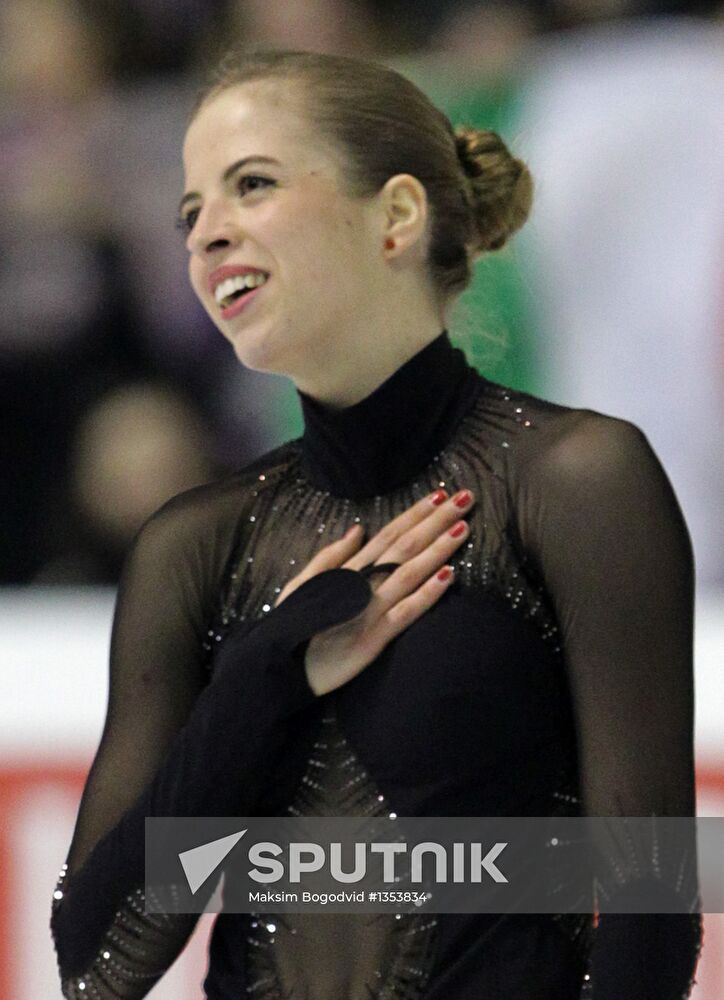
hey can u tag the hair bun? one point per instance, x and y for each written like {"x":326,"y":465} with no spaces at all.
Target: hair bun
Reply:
{"x":500,"y":187}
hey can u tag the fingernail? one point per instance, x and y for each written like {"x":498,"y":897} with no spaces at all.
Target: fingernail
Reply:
{"x":445,"y":573}
{"x":350,"y":531}
{"x":463,"y":499}
{"x":438,"y":497}
{"x":457,"y":530}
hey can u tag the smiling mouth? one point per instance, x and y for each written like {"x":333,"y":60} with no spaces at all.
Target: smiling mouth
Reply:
{"x":232,"y":289}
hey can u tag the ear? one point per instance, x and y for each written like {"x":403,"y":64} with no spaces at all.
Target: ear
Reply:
{"x":405,"y":212}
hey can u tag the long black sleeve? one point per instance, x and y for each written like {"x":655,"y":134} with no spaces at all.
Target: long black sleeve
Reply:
{"x":217,"y":762}
{"x":600,"y":518}
{"x":576,"y":527}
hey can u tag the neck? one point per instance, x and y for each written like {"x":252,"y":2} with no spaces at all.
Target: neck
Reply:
{"x":378,"y":442}
{"x":340,"y":371}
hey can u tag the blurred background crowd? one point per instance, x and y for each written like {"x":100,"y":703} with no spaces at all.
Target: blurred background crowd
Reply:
{"x":116,"y":391}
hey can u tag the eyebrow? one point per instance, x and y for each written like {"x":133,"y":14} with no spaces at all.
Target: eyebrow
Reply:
{"x":228,"y":173}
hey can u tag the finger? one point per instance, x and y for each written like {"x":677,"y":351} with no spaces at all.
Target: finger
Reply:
{"x":419,"y":535}
{"x":415,"y":571}
{"x":387,"y":535}
{"x":403,"y":613}
{"x":417,"y":538}
{"x":329,"y":557}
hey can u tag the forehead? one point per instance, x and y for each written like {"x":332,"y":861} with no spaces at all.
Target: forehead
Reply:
{"x":257,"y":118}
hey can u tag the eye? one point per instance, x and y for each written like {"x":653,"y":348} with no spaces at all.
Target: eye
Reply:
{"x":247,"y":182}
{"x":244,"y":183}
{"x":186,"y":222}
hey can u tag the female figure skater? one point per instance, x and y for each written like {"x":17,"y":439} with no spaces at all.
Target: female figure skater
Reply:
{"x":523,"y":649}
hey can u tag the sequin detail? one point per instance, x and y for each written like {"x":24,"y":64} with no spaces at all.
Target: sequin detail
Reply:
{"x":283,"y":520}
{"x":491,"y":558}
{"x":391,"y":954}
{"x":135,"y":952}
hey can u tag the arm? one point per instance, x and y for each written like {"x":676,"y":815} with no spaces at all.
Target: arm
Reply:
{"x":155,"y":663}
{"x":602,"y":522}
{"x":172,"y":746}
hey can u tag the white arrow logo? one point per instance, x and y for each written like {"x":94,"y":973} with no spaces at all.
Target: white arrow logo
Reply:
{"x":200,"y":862}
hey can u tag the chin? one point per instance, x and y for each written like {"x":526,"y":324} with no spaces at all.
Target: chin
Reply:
{"x":257,"y":349}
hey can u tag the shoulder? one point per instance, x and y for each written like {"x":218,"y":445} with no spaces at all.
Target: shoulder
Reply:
{"x":581,"y":474}
{"x":584,"y":446}
{"x":555,"y":453}
{"x":589,"y":485}
{"x":552,"y":441}
{"x":206,"y":517}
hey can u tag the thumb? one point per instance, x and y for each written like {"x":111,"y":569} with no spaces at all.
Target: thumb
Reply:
{"x":332,"y":556}
{"x":336,"y":553}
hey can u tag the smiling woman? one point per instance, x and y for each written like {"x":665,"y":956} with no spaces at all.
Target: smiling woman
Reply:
{"x":328,"y":188}
{"x":510,"y":635}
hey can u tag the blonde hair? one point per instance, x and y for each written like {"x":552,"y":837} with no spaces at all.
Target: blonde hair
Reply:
{"x":381,"y":124}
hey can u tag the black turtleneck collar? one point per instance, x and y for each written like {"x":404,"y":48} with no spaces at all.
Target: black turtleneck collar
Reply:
{"x":385,"y":439}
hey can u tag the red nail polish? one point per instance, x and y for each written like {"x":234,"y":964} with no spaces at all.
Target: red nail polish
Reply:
{"x":457,"y":530}
{"x":463,"y":499}
{"x":445,"y":573}
{"x":438,"y":497}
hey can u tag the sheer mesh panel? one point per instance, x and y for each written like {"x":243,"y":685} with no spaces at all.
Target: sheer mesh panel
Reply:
{"x":575,"y":528}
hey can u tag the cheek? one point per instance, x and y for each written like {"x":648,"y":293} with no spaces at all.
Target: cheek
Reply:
{"x":194,"y":269}
{"x":327,"y":252}
{"x":325,"y":225}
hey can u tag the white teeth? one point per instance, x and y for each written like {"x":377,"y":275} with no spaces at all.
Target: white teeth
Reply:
{"x":239,"y":281}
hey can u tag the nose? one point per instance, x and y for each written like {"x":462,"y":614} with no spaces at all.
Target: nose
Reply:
{"x":213,"y":229}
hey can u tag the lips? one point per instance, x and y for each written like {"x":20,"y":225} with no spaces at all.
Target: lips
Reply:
{"x":233,"y":286}
{"x":237,"y":305}
{"x":230,"y":271}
